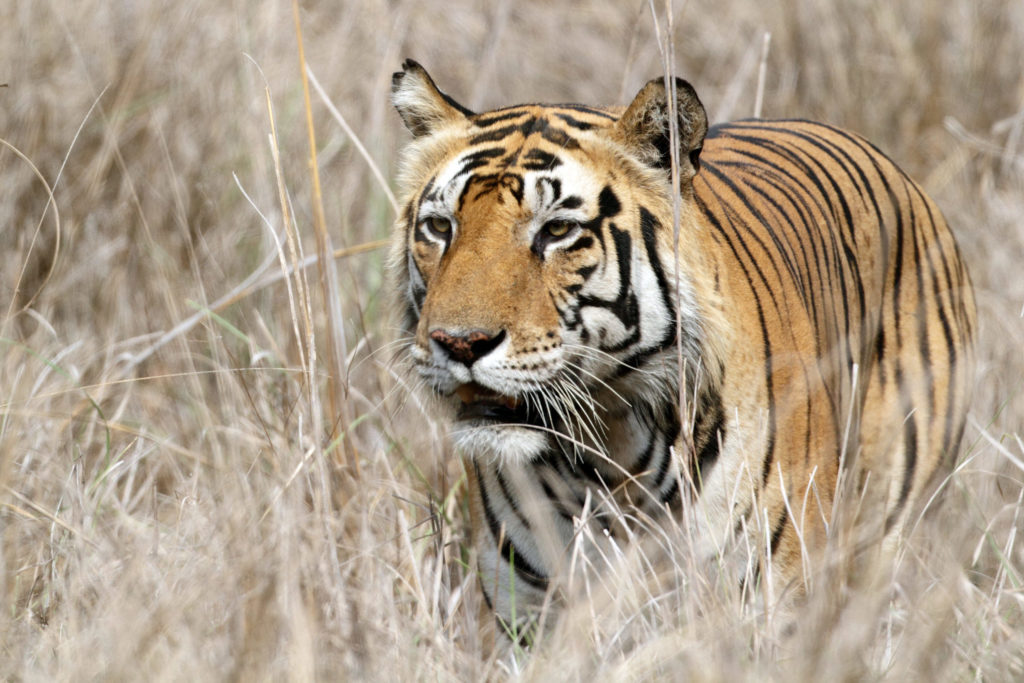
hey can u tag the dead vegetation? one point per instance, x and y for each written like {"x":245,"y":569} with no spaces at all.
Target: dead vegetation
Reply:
{"x":178,"y":497}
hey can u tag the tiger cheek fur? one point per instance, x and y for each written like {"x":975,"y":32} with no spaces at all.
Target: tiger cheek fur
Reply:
{"x":819,"y":306}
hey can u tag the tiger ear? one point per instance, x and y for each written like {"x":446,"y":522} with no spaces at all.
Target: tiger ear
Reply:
{"x":422,"y":106}
{"x":644,"y":126}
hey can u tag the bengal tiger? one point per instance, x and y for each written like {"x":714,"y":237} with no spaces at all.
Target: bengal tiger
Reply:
{"x":621,"y":314}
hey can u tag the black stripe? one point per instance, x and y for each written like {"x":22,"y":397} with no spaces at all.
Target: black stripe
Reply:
{"x":625,"y":306}
{"x":511,"y":499}
{"x":671,"y":496}
{"x":539,"y":160}
{"x":593,"y":111}
{"x":708,"y":433}
{"x":664,"y":464}
{"x":490,"y":119}
{"x":479,"y":158}
{"x":575,"y":122}
{"x":494,"y":135}
{"x":734,"y":241}
{"x":608,"y":205}
{"x":780,"y":526}
{"x":644,"y":461}
{"x":523,"y":568}
{"x":559,"y":137}
{"x":584,"y":242}
{"x":940,"y":286}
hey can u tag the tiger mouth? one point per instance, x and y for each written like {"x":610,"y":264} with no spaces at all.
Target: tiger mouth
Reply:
{"x":480,"y":403}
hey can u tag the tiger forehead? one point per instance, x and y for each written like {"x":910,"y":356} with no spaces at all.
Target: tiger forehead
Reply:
{"x":530,"y":137}
{"x":502,"y":150}
{"x":541,"y":119}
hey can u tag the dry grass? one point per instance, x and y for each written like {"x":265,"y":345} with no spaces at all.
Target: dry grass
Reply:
{"x":181,"y":502}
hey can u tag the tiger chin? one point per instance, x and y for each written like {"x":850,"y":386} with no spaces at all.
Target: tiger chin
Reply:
{"x":625,"y":314}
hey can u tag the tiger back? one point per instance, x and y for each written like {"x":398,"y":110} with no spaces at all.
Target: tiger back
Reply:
{"x":618,"y":314}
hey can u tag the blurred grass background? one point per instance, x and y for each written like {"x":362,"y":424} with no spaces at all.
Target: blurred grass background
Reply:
{"x":178,"y":502}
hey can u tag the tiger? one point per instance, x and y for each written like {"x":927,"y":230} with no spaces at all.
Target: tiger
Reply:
{"x":622,"y":311}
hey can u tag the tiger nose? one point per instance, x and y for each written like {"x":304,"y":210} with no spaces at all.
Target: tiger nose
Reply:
{"x":467,"y":348}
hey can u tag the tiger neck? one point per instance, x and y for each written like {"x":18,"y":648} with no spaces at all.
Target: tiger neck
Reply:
{"x":648,"y":451}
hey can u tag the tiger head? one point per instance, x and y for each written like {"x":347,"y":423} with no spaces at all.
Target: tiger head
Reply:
{"x":534,"y":255}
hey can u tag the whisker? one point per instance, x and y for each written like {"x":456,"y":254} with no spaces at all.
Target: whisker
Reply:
{"x":604,"y":356}
{"x":583,"y":405}
{"x":575,"y":366}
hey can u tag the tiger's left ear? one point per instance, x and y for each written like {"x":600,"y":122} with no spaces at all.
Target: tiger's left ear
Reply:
{"x":421,"y":104}
{"x":644,"y":127}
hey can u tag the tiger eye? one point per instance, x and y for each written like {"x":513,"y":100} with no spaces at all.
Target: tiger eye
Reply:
{"x":439,"y":225}
{"x":558,"y":228}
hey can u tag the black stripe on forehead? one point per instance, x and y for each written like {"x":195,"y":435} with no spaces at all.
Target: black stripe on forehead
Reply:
{"x":503,"y":162}
{"x":513,"y":182}
{"x":531,"y":126}
{"x":588,"y":110}
{"x":492,"y":118}
{"x":575,"y":122}
{"x":539,"y":160}
{"x":479,"y":158}
{"x":494,"y":135}
{"x":559,"y":137}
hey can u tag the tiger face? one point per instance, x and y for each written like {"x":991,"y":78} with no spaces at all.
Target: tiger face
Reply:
{"x":530,"y":281}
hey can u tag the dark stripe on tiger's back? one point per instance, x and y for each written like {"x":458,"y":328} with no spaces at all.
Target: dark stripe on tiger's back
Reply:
{"x":910,"y":427}
{"x":803,"y":161}
{"x":748,"y":230}
{"x":731,"y":240}
{"x":789,"y":187}
{"x":831,"y":151}
{"x":754,"y":184}
{"x":842,"y":266}
{"x":905,"y":401}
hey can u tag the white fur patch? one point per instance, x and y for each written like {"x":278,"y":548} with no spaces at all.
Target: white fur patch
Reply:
{"x":506,"y":444}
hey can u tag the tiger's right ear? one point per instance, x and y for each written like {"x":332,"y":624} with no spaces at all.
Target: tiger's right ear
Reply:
{"x":422,"y":106}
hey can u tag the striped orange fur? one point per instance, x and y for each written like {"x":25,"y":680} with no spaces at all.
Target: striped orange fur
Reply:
{"x":802,"y":295}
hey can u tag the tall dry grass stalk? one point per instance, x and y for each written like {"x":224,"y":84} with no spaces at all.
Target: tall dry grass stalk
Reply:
{"x":173,"y":499}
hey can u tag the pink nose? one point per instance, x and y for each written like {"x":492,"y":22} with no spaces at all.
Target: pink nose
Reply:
{"x":467,"y":348}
